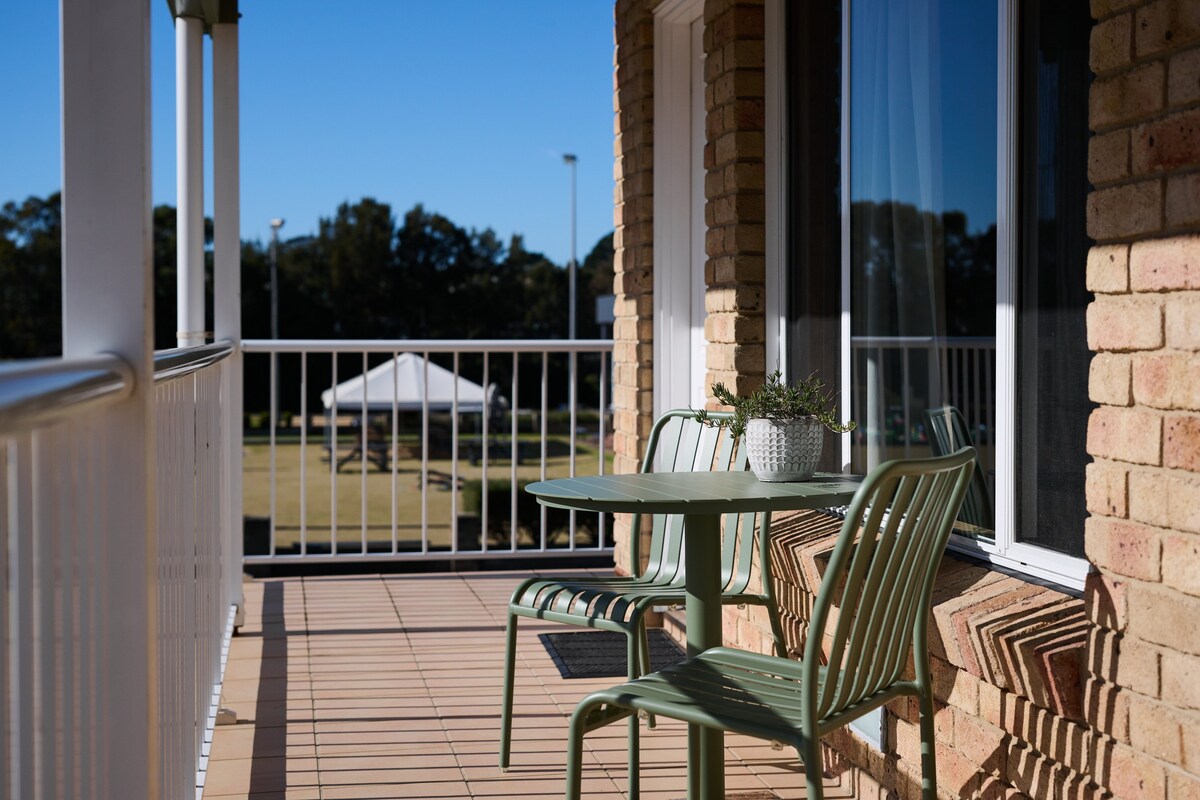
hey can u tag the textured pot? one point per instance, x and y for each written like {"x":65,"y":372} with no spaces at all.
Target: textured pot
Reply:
{"x":784,"y":449}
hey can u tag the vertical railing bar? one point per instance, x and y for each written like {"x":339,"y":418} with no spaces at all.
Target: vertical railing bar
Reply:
{"x":601,"y":524}
{"x":271,"y":422}
{"x":976,"y":399}
{"x":514,"y":453}
{"x":304,"y":453}
{"x":453,"y":461}
{"x":990,"y":399}
{"x":165,"y":513}
{"x":935,"y":368}
{"x":6,"y":687}
{"x":484,"y":456}
{"x":46,"y":621}
{"x":856,"y":395}
{"x":164,"y":510}
{"x":6,"y":684}
{"x":75,"y":694}
{"x":193,"y":588}
{"x":187,"y":582}
{"x":20,"y":611}
{"x":545,"y":439}
{"x":882,"y":409}
{"x":905,"y":381}
{"x":72,"y":499}
{"x":395,"y":451}
{"x":89,"y":555}
{"x":425,"y":451}
{"x":173,"y":697}
{"x":333,"y":459}
{"x":952,"y":372}
{"x":943,"y":356}
{"x":365,"y":448}
{"x":572,"y":391}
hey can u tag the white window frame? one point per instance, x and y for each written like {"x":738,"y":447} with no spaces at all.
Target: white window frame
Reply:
{"x":775,"y":186}
{"x":679,"y":288}
{"x":1006,"y":551}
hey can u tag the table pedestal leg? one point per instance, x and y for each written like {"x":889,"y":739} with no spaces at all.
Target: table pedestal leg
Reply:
{"x":702,"y":559}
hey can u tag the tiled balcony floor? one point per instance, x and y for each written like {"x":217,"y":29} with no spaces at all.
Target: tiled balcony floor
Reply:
{"x":389,"y":687}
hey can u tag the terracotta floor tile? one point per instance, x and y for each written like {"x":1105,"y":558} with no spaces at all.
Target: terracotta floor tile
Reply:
{"x":410,"y":791}
{"x":389,"y":686}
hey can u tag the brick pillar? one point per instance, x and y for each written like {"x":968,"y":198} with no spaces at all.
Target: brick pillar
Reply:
{"x":1143,"y":489}
{"x":633,"y":281}
{"x":735,"y":211}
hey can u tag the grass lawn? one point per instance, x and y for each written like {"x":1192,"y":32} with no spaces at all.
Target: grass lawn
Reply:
{"x":367,"y":503}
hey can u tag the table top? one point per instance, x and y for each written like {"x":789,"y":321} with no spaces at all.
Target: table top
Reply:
{"x":693,"y":492}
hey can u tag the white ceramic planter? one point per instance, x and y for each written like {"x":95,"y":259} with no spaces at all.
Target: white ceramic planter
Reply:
{"x":784,"y":450}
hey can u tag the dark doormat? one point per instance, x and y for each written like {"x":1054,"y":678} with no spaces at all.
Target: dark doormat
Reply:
{"x":601,"y":654}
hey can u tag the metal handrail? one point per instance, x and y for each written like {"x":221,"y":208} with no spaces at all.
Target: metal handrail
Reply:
{"x":38,"y":392}
{"x":179,"y":362}
{"x":425,"y":345}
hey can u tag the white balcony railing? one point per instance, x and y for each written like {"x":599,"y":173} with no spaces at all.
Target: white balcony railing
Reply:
{"x":197,"y":564}
{"x":403,"y":473}
{"x":897,"y":378}
{"x":72,"y":630}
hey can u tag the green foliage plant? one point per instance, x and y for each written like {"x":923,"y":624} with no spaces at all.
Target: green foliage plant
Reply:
{"x":776,"y":399}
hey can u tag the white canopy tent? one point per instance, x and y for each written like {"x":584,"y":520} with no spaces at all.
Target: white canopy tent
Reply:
{"x":403,"y":380}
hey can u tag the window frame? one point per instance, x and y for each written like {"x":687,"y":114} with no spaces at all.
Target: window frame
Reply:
{"x":1006,"y":551}
{"x":678,"y":277}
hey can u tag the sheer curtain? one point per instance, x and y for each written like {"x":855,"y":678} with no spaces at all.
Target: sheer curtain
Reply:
{"x":897,"y":240}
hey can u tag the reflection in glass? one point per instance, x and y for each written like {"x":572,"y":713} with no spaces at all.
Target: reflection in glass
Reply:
{"x":923,"y":232}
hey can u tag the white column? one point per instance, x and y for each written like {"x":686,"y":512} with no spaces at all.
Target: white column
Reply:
{"x":227,"y":293}
{"x":108,"y":307}
{"x":189,"y":176}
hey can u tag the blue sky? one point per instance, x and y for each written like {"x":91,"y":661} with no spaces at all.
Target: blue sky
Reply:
{"x":892,"y":98}
{"x":464,"y":105}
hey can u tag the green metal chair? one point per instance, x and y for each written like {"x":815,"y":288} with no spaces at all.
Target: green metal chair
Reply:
{"x":948,"y":431}
{"x":677,"y":444}
{"x":880,"y":578}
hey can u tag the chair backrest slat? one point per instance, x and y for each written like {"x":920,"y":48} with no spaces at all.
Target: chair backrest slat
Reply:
{"x":678,"y":443}
{"x":873,"y":617}
{"x":948,"y":431}
{"x":881,"y":576}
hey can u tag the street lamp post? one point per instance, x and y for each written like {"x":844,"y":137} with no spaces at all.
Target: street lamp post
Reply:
{"x":569,"y":159}
{"x":276,"y":224}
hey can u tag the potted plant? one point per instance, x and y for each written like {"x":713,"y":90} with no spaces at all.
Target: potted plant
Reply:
{"x":784,"y":425}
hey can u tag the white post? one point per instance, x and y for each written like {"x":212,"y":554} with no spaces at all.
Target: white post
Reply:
{"x":108,"y":307}
{"x":189,"y":176}
{"x":227,"y":294}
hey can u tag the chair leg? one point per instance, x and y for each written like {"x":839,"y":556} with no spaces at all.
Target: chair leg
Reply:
{"x":506,"y":704}
{"x":575,"y":733}
{"x":776,"y":629}
{"x":928,"y":759}
{"x":634,"y":653}
{"x":643,"y":659}
{"x":812,"y":769}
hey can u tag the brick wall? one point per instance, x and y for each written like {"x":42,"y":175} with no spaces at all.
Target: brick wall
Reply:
{"x":1143,"y":491}
{"x":1038,"y":694}
{"x":735,"y":208}
{"x":633,"y":281}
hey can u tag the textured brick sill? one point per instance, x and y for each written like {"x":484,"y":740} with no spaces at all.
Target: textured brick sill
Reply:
{"x":1024,"y":638}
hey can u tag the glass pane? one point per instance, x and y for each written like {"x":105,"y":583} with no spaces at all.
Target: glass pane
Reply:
{"x":814,"y":163}
{"x":923,"y":233}
{"x":1052,"y":352}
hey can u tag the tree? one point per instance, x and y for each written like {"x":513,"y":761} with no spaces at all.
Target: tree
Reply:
{"x":31,"y":278}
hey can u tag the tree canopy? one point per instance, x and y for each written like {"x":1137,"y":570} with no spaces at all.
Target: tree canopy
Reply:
{"x":364,"y":275}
